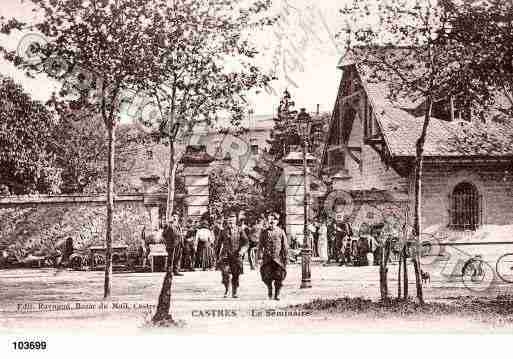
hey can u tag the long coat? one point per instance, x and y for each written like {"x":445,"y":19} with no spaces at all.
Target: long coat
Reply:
{"x":273,"y":246}
{"x":233,"y":242}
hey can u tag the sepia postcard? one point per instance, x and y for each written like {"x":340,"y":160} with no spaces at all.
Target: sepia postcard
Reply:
{"x":255,"y":167}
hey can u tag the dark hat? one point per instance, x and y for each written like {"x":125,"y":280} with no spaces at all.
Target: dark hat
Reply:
{"x":230,"y":212}
{"x":273,"y":214}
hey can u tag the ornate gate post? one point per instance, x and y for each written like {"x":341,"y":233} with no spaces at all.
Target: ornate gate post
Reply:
{"x":152,"y":200}
{"x":294,"y":194}
{"x":196,"y":163}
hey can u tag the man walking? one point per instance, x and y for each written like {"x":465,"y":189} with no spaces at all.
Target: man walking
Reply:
{"x":274,"y":248}
{"x":233,"y":244}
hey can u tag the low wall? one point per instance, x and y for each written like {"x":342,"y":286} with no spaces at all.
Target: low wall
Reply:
{"x":37,"y":223}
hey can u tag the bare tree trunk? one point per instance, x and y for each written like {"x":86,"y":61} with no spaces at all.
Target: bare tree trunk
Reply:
{"x":418,"y":200}
{"x":405,"y":272}
{"x":110,"y":209}
{"x":383,"y":270}
{"x":399,"y":275}
{"x":164,"y":304}
{"x":171,"y":182}
{"x":383,"y":285}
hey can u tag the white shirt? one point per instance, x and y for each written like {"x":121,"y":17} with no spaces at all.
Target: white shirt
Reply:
{"x":204,"y":234}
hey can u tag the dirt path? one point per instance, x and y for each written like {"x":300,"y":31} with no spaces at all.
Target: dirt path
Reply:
{"x":47,"y":300}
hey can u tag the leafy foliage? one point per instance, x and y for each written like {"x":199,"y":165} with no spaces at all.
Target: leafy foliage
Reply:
{"x":80,"y":149}
{"x":399,"y":44}
{"x":284,"y":133}
{"x":27,"y":160}
{"x":232,"y":190}
{"x":482,"y":33}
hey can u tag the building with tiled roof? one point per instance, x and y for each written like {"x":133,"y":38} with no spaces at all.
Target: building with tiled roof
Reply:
{"x":467,"y":180}
{"x":236,"y":149}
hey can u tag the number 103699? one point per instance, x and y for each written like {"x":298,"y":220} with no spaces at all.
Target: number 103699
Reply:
{"x":29,"y":345}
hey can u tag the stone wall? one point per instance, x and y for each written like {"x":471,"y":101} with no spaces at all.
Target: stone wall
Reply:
{"x":494,"y":183}
{"x":36,"y":225}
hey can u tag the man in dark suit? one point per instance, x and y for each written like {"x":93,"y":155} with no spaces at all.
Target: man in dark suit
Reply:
{"x":274,"y":248}
{"x":218,"y":227}
{"x":233,"y":244}
{"x":173,"y":238}
{"x":254,"y":237}
{"x":343,"y":235}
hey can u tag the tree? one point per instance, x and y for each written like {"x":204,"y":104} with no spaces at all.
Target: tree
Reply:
{"x":103,"y":48}
{"x":284,"y":136}
{"x":269,"y":166}
{"x":204,"y":68}
{"x":79,"y":146}
{"x":284,"y":133}
{"x":232,"y":190}
{"x":207,"y":68}
{"x":80,"y":150}
{"x":482,"y":33}
{"x":399,"y":44}
{"x":27,"y":162}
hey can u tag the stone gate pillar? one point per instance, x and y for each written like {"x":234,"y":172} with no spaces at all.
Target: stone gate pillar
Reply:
{"x":196,"y":163}
{"x":152,"y":199}
{"x":294,"y":193}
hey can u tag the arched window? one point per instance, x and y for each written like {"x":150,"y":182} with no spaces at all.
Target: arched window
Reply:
{"x":465,"y":207}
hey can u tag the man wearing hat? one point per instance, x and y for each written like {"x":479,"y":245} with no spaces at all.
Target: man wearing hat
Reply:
{"x":173,"y":238}
{"x":189,"y":249}
{"x":274,"y":248}
{"x":233,"y":244}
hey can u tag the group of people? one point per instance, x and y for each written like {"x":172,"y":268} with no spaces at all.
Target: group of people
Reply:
{"x":346,"y":248}
{"x":224,"y":247}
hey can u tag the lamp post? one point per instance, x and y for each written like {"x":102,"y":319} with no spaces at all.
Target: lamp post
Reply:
{"x":303,"y":121}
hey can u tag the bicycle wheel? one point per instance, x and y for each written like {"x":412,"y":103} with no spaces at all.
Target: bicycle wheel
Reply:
{"x":478,"y":275}
{"x":504,"y":267}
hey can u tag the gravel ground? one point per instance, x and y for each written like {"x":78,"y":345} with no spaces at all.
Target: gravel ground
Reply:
{"x":45,"y":299}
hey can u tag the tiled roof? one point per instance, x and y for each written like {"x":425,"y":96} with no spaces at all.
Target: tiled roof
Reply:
{"x":444,"y":139}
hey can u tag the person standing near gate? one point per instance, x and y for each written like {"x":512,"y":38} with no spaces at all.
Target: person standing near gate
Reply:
{"x":274,"y":248}
{"x":233,"y":244}
{"x":323,"y":241}
{"x":254,"y":237}
{"x":343,"y":234}
{"x":217,"y":229}
{"x":189,"y":248}
{"x":173,"y":239}
{"x":205,"y":240}
{"x":177,"y":260}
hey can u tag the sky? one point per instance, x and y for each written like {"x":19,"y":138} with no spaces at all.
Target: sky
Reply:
{"x":305,"y":63}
